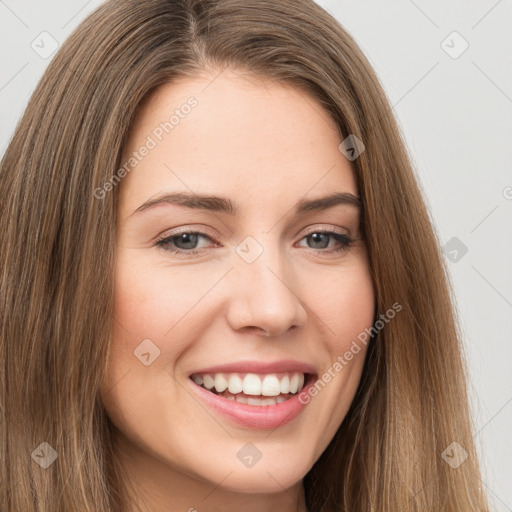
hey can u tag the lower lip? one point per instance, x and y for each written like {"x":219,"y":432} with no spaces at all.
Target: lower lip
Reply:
{"x":257,"y":416}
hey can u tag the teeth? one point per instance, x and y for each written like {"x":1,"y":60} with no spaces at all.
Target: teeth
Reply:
{"x":220,"y":382}
{"x":285,"y":384}
{"x":252,"y":384}
{"x":243,"y":399}
{"x":261,"y":401}
{"x":301,"y":382}
{"x":208,"y":382}
{"x":296,"y":382}
{"x":235,"y":384}
{"x":269,"y":385}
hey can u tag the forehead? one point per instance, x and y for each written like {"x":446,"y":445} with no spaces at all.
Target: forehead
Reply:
{"x":245,"y":137}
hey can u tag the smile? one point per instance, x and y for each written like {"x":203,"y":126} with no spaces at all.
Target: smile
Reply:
{"x":255,"y":395}
{"x":252,"y":388}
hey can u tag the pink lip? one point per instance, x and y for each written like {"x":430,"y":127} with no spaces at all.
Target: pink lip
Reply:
{"x":256,"y":416}
{"x":285,"y":365}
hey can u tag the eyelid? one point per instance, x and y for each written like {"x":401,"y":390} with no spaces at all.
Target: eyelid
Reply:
{"x":336,"y":229}
{"x":189,"y":228}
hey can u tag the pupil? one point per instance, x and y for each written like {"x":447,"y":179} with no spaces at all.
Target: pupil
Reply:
{"x":316,"y":236}
{"x":183,"y":238}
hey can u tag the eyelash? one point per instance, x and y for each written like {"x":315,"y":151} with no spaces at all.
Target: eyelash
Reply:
{"x":343,"y":239}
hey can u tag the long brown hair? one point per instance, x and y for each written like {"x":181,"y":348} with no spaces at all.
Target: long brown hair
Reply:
{"x":58,"y":256}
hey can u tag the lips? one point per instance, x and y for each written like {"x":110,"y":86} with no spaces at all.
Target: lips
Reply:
{"x":255,"y":394}
{"x":285,"y":365}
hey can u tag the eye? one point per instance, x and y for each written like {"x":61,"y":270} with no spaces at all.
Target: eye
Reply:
{"x":185,"y":243}
{"x":321,"y":238}
{"x":187,"y":239}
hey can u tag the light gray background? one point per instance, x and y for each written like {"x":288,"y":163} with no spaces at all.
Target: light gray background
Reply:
{"x":456,"y":114}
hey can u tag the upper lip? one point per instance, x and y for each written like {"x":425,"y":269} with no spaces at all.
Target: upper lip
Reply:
{"x":283,"y":365}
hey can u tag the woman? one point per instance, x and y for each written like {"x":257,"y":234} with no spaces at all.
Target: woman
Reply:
{"x":143,"y":374}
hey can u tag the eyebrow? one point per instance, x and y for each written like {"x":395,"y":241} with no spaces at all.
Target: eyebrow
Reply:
{"x":226,"y":205}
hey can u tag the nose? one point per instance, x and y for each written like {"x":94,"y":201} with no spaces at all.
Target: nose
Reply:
{"x":263,"y":298}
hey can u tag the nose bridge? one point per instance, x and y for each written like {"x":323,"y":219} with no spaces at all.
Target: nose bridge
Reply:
{"x":264,"y":294}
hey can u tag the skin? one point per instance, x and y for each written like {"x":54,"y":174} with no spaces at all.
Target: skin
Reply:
{"x":266,"y":146}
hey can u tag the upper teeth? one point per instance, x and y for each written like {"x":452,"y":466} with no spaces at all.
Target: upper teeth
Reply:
{"x":251,"y":383}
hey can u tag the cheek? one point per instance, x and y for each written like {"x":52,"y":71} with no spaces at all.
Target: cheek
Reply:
{"x":151,"y":301}
{"x":346,"y":306}
{"x":145,"y":312}
{"x":357,"y":307}
{"x":148,"y":306}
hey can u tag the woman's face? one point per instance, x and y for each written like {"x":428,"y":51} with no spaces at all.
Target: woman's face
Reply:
{"x":259,"y":296}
